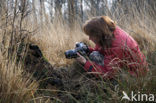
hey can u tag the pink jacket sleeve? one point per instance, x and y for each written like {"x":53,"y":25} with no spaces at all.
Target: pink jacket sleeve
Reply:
{"x":105,"y":71}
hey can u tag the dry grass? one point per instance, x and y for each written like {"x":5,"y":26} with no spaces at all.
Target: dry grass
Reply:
{"x":15,"y":85}
{"x":55,"y":39}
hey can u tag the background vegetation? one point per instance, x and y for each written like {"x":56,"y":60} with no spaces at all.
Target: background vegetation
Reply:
{"x":55,"y":26}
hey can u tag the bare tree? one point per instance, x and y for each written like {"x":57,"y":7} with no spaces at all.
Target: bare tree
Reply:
{"x":50,"y":7}
{"x":58,"y":8}
{"x":2,"y":4}
{"x":71,"y":12}
{"x":34,"y":11}
{"x":41,"y":11}
{"x":81,"y":10}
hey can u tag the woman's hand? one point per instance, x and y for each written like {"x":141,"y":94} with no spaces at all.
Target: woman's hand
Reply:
{"x":81,"y":59}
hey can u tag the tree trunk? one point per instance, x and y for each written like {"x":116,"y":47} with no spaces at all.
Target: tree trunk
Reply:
{"x":41,"y":12}
{"x":34,"y":11}
{"x":58,"y":8}
{"x":81,"y":10}
{"x":71,"y":13}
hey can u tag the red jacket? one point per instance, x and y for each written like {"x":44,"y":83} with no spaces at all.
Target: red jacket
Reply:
{"x":123,"y":52}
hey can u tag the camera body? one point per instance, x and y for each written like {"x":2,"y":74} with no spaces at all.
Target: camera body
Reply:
{"x":81,"y":48}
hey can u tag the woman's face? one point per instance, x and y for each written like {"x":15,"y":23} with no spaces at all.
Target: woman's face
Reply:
{"x":94,"y":39}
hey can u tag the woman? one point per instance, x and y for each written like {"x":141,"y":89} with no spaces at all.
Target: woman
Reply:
{"x":118,"y":48}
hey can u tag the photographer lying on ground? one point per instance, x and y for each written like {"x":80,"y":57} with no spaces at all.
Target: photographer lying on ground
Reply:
{"x":116,"y":48}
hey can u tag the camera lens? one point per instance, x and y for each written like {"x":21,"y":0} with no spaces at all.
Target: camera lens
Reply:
{"x":77,"y":45}
{"x":71,"y":54}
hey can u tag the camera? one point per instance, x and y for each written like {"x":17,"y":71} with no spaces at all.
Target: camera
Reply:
{"x":81,"y":48}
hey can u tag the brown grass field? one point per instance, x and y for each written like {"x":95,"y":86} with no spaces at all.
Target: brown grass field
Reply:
{"x":54,"y":39}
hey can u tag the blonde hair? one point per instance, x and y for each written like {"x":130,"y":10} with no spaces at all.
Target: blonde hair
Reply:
{"x":101,"y":27}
